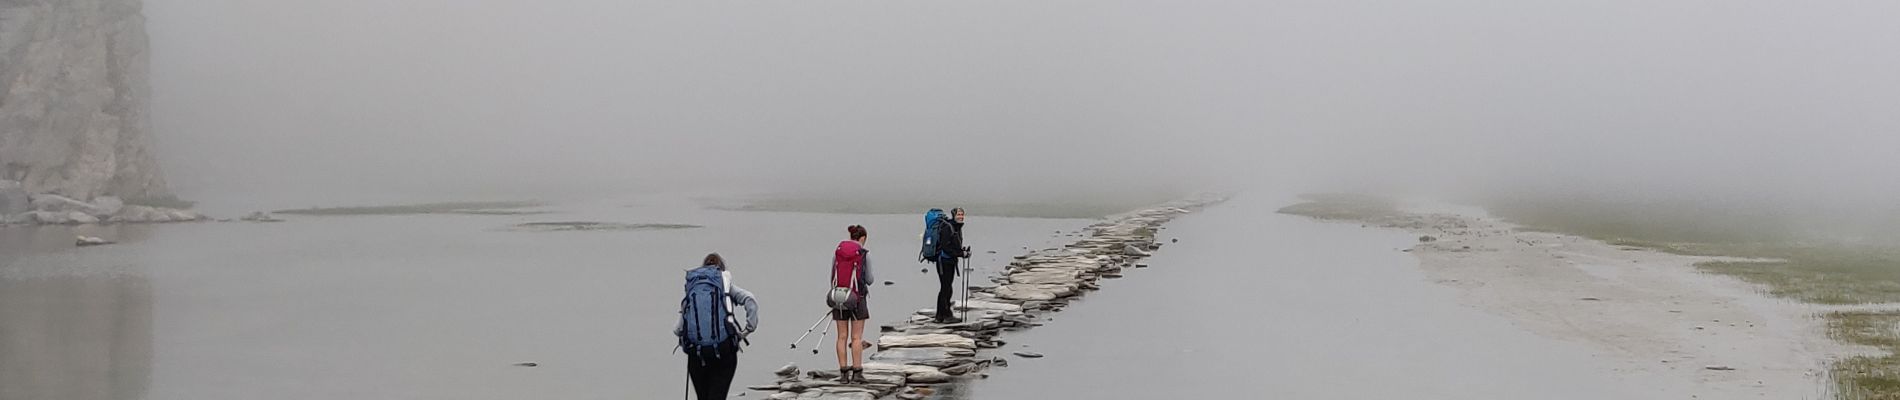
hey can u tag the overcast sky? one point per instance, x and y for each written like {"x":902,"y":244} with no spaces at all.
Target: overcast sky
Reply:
{"x":1034,"y":97}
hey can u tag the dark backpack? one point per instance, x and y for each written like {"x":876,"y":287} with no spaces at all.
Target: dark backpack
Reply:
{"x":932,"y":219}
{"x":703,"y":313}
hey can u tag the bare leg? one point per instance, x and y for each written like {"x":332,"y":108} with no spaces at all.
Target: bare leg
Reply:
{"x":857,"y":344}
{"x":843,"y":339}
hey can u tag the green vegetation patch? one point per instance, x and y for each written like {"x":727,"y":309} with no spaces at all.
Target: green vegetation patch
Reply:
{"x":1875,"y":377}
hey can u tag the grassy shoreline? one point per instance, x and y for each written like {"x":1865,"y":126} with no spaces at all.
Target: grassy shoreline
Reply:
{"x":1811,"y":271}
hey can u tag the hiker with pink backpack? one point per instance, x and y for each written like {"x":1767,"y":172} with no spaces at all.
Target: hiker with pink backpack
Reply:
{"x":851,"y":282}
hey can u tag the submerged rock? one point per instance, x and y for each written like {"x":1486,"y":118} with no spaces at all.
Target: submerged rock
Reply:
{"x":1028,"y":354}
{"x":260,"y":216}
{"x":85,"y":241}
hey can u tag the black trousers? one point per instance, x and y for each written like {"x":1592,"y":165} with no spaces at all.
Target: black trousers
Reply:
{"x":712,"y":377}
{"x":946,"y":286}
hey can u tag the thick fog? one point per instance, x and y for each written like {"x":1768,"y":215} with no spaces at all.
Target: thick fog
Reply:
{"x":1780,"y":100}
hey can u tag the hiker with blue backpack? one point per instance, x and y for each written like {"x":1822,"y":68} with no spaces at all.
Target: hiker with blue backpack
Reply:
{"x":943,"y":245}
{"x":851,"y":283}
{"x":708,"y":331}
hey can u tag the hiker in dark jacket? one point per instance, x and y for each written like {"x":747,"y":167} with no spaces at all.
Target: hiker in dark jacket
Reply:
{"x":950,"y":250}
{"x":851,"y":267}
{"x":712,"y":376}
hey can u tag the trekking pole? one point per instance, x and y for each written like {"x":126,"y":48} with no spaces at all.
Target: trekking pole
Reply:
{"x":821,"y":337}
{"x":814,"y":326}
{"x":963,"y":309}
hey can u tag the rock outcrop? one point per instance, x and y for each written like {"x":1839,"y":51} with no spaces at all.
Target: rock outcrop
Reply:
{"x":74,"y":112}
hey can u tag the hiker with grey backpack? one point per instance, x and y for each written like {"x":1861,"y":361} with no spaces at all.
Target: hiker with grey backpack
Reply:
{"x":709,"y":333}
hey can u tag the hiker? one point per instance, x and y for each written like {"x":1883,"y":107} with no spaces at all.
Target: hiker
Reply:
{"x":851,"y":271}
{"x":708,"y":331}
{"x":950,"y":248}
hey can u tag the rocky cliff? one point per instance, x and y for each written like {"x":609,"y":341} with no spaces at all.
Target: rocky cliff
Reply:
{"x":73,"y":99}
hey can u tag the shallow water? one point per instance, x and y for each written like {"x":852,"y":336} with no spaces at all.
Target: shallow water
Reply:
{"x":425,"y":306}
{"x":1250,"y":304}
{"x":1254,"y":304}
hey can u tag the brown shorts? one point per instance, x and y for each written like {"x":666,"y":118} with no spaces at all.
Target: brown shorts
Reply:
{"x":859,"y":313}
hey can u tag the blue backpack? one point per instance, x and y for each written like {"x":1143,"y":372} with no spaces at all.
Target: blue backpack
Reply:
{"x":703,"y":313}
{"x":932,"y":219}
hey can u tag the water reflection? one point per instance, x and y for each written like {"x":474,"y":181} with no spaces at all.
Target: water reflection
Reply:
{"x":72,"y":331}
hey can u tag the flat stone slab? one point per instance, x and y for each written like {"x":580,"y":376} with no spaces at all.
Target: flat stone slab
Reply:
{"x":1025,"y":291}
{"x":978,"y":304}
{"x":922,"y":354}
{"x":1045,"y":277}
{"x":926,"y":340}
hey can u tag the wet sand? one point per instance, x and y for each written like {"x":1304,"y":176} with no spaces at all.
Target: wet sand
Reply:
{"x":1253,"y":304}
{"x":1651,"y":314}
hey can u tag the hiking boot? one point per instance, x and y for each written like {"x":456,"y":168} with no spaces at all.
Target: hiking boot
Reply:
{"x":857,"y":375}
{"x":844,"y":375}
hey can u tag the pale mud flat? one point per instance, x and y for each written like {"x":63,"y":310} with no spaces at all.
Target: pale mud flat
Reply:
{"x":1651,"y":316}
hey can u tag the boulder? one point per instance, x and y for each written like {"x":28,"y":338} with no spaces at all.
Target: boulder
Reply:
{"x":929,"y":340}
{"x":62,"y":204}
{"x":134,"y":214}
{"x":790,"y":369}
{"x":14,"y":199}
{"x":106,"y":206}
{"x":183,"y":215}
{"x":84,"y":241}
{"x":47,"y":217}
{"x":157,"y":215}
{"x":76,"y":217}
